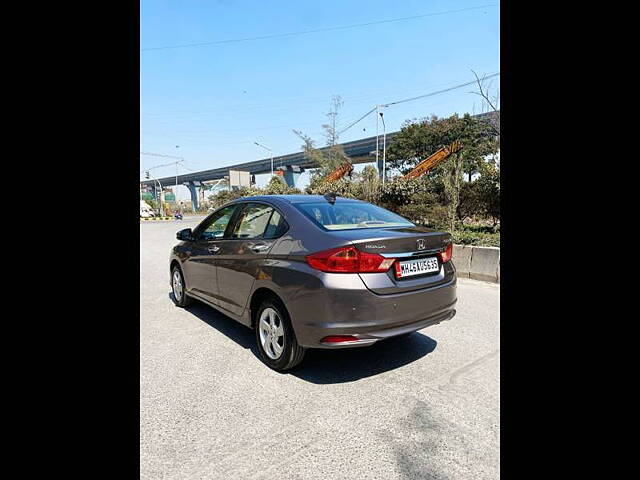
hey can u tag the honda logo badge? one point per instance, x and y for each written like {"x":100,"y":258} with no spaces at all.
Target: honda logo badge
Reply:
{"x":421,"y":244}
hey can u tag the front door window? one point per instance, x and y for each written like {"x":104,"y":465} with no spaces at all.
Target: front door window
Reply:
{"x":217,"y":224}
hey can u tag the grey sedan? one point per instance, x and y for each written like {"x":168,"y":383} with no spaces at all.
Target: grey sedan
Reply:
{"x":308,"y":271}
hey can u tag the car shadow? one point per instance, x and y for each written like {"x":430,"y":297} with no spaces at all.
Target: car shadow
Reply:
{"x":322,"y":366}
{"x":237,"y":332}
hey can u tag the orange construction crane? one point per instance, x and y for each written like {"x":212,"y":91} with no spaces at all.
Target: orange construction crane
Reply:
{"x":341,"y":171}
{"x":434,"y":160}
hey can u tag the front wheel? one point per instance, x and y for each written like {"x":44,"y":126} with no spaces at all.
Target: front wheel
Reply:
{"x":180,"y":297}
{"x":276,"y":339}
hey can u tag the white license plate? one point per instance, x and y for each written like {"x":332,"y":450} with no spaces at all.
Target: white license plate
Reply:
{"x":418,"y":267}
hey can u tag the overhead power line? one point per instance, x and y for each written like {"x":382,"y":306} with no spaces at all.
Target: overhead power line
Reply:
{"x":160,"y":155}
{"x":180,"y":160}
{"x":361,"y":118}
{"x":416,"y":98}
{"x":440,"y":91}
{"x":317,"y":30}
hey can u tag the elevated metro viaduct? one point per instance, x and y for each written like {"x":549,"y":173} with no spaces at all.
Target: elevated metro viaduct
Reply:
{"x":293,"y":164}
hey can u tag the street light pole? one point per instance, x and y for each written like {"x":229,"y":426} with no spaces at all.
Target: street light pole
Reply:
{"x":384,"y":150}
{"x":160,"y":210}
{"x":377,"y":142}
{"x":175,"y":194}
{"x":267,"y":148}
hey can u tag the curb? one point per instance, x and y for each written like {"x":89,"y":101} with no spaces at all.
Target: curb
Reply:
{"x":155,"y":219}
{"x":479,"y":263}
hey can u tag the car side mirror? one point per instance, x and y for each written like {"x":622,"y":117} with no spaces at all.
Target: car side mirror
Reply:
{"x":185,"y":235}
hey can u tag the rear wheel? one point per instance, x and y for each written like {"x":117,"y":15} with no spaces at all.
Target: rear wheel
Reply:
{"x":180,"y":297}
{"x":276,"y":339}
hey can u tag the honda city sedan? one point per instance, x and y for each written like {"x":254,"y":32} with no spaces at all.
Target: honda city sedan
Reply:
{"x":307,"y":271}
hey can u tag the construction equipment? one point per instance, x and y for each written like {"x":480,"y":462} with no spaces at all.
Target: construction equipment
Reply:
{"x":434,"y":160}
{"x":344,"y":169}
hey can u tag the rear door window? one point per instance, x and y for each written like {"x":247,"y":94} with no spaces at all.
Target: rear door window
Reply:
{"x":276,"y":226}
{"x":252,"y":221}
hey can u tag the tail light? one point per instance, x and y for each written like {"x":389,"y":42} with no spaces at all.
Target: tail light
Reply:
{"x":339,"y":339}
{"x":349,"y":260}
{"x":446,"y":254}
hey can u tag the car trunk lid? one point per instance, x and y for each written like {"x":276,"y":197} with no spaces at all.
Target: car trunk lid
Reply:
{"x":402,"y":243}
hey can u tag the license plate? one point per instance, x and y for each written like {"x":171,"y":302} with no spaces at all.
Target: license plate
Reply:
{"x":418,"y":267}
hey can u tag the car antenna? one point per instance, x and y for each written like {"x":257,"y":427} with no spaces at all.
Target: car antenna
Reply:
{"x":330,"y":197}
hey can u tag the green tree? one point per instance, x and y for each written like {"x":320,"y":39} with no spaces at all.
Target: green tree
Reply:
{"x":369,"y":185}
{"x":420,"y":138}
{"x":452,"y":179}
{"x":489,"y":191}
{"x":481,"y":198}
{"x":223,"y":196}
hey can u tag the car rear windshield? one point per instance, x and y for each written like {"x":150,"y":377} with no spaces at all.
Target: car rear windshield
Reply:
{"x":348,"y":216}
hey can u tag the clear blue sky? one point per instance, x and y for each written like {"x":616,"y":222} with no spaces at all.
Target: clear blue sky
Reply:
{"x":214,"y":101}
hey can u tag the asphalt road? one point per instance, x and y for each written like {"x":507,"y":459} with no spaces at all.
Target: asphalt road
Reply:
{"x":426,"y":406}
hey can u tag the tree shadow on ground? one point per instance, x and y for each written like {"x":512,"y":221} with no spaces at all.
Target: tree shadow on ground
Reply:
{"x":322,"y":366}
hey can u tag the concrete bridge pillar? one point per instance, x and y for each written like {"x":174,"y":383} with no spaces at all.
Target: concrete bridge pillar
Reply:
{"x":292,"y":174}
{"x":194,"y":196}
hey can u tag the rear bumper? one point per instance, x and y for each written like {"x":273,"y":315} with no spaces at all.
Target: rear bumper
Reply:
{"x":370,"y":338}
{"x":370,"y":317}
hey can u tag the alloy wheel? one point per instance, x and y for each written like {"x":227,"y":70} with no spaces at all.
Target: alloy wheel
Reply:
{"x":271,"y":333}
{"x":177,"y":285}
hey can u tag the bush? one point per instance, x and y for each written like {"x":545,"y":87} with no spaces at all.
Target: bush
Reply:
{"x":399,"y":191}
{"x":424,"y":214}
{"x":343,"y":188}
{"x":277,"y":186}
{"x":479,"y":239}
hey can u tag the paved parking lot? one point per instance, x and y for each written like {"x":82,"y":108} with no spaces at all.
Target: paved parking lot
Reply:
{"x":426,"y":406}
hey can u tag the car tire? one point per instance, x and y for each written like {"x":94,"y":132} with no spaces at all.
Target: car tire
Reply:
{"x":180,"y":297}
{"x":289,"y":354}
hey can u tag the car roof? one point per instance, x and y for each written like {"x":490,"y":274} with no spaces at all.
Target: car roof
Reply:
{"x":298,"y":198}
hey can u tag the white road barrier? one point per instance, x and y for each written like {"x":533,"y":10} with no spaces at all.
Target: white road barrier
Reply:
{"x":481,"y":263}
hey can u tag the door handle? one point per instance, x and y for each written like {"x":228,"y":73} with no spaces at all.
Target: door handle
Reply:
{"x":213,"y":249}
{"x":261,"y":247}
